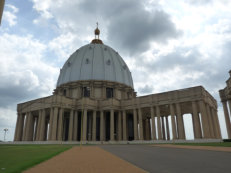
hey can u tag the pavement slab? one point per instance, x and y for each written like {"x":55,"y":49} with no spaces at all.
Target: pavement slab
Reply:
{"x":172,"y":160}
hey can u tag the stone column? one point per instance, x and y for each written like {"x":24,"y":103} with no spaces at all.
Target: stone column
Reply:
{"x":38,"y":125}
{"x":20,"y":127}
{"x":28,"y":130}
{"x":46,"y":129}
{"x":153,"y":124}
{"x":119,"y":126}
{"x":25,"y":127}
{"x":71,"y":123}
{"x":75,"y":133}
{"x":163,"y":128}
{"x":141,"y":124}
{"x":94,"y":126}
{"x":54,"y":124}
{"x":229,"y":101}
{"x":227,"y":119}
{"x":204,"y":118}
{"x":144,"y":130}
{"x":31,"y":128}
{"x":112,"y":125}
{"x":124,"y":125}
{"x":167,"y":128}
{"x":36,"y":128}
{"x":135,"y":125}
{"x":60,"y":125}
{"x":180,"y":123}
{"x":51,"y":123}
{"x":210,"y":121}
{"x":84,"y":125}
{"x":196,"y":121}
{"x":218,"y":124}
{"x":89,"y":125}
{"x":101,"y":126}
{"x":43,"y":122}
{"x":147,"y":129}
{"x":213,"y":117}
{"x":173,"y":122}
{"x":16,"y":128}
{"x":160,"y":137}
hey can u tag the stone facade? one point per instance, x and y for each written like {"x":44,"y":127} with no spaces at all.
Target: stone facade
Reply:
{"x":124,"y":116}
{"x":225,"y":95}
{"x":109,"y":110}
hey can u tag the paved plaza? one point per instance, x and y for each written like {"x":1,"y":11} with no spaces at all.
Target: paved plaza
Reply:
{"x":174,"y":160}
{"x":139,"y":158}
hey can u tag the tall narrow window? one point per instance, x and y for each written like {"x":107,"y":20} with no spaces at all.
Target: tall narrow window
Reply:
{"x":64,"y":92}
{"x":86,"y":91}
{"x":109,"y":92}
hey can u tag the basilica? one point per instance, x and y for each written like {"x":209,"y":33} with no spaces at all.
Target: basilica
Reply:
{"x":94,"y":100}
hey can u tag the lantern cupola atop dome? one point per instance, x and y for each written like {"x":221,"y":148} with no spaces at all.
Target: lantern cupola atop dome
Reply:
{"x":97,"y":32}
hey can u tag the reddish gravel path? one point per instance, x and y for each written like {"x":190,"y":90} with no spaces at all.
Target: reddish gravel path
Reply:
{"x":86,"y":159}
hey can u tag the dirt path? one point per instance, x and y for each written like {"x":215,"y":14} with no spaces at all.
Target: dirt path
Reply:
{"x":226,"y":149}
{"x":86,"y":159}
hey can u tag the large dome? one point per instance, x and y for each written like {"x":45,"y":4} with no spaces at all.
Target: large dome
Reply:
{"x":95,"y":62}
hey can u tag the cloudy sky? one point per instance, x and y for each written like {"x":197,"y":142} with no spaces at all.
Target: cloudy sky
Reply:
{"x":167,"y":45}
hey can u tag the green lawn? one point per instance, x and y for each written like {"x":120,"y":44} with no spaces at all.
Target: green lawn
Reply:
{"x":15,"y":158}
{"x":217,"y":144}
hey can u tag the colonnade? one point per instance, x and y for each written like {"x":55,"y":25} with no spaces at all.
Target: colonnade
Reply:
{"x":227,"y":116}
{"x":59,"y":124}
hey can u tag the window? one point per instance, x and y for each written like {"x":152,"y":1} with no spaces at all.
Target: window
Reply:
{"x":64,"y":92}
{"x":109,"y":92}
{"x":86,"y":91}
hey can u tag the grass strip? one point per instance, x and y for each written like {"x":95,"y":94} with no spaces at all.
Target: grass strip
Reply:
{"x":16,"y":158}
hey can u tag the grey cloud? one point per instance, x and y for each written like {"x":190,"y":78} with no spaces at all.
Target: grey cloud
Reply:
{"x":199,"y":2}
{"x":130,"y":27}
{"x":14,"y":94}
{"x":134,"y":31}
{"x":172,"y":60}
{"x":214,"y":69}
{"x":147,"y":89}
